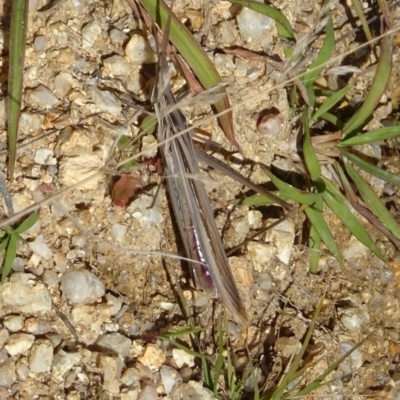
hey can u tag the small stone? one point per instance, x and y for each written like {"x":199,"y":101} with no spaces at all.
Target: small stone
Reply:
{"x":39,"y":44}
{"x":4,"y":335}
{"x":253,"y":25}
{"x":260,"y":255}
{"x":355,"y":249}
{"x":287,"y":346}
{"x":37,"y":326}
{"x":7,"y":373}
{"x":22,"y":370}
{"x":44,"y":157}
{"x":130,"y":394}
{"x":41,"y":358}
{"x":149,"y":392}
{"x":63,"y":84}
{"x":116,"y":343}
{"x":63,"y":363}
{"x":114,"y":302}
{"x":19,"y":343}
{"x":118,"y":232}
{"x":40,"y":247}
{"x":192,"y":390}
{"x":153,"y":357}
{"x":111,"y":368}
{"x":104,"y":100}
{"x":76,"y":169}
{"x":354,"y":361}
{"x":241,"y":271}
{"x":170,"y":377}
{"x":117,"y":66}
{"x":90,"y":33}
{"x":81,"y":286}
{"x":29,"y":123}
{"x":13,"y":323}
{"x":149,"y":146}
{"x":139,"y":51}
{"x":130,"y":377}
{"x":33,"y":297}
{"x":282,"y":237}
{"x":182,"y":358}
{"x":118,"y":37}
{"x":89,"y":320}
{"x":41,"y":97}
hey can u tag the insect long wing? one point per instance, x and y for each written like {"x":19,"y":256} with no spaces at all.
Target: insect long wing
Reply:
{"x":194,"y":215}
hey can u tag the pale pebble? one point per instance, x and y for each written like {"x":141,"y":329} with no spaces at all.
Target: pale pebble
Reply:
{"x":170,"y":377}
{"x":41,"y":97}
{"x":19,"y":343}
{"x":182,"y":358}
{"x":139,"y":51}
{"x":40,"y":248}
{"x":153,"y":357}
{"x":81,"y":286}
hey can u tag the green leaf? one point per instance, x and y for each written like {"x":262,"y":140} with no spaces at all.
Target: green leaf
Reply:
{"x":314,"y":243}
{"x":372,"y":169}
{"x":310,"y":157}
{"x":10,"y":257}
{"x":293,"y":193}
{"x":4,"y":244}
{"x":148,"y":125}
{"x":337,"y":203}
{"x":27,"y":224}
{"x":373,"y":202}
{"x":260,"y":200}
{"x":330,"y":102}
{"x":323,"y":56}
{"x":378,"y":87}
{"x":371,"y":137}
{"x":333,"y":119}
{"x":282,"y":24}
{"x":18,"y":27}
{"x":196,"y":58}
{"x":314,"y":214}
{"x":316,"y":383}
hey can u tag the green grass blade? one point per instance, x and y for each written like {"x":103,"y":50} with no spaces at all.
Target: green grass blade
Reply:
{"x":317,"y":382}
{"x":293,"y":193}
{"x":323,"y":56}
{"x":220,"y":361}
{"x":291,"y":373}
{"x":18,"y":27}
{"x":373,"y":170}
{"x":310,"y":157}
{"x":364,"y":23}
{"x":283,"y":25}
{"x":4,"y":244}
{"x":372,"y":137}
{"x":260,"y":200}
{"x":333,"y":119}
{"x":181,"y":331}
{"x":27,"y":224}
{"x":373,"y":202}
{"x":11,"y":252}
{"x":378,"y":87}
{"x":330,"y":102}
{"x":196,"y":58}
{"x":314,"y":243}
{"x":314,"y":214}
{"x":337,"y":203}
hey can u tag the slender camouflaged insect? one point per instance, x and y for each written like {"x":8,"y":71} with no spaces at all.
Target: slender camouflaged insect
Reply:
{"x":192,"y":209}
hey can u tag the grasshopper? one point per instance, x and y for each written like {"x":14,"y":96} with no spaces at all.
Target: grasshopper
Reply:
{"x":190,"y":203}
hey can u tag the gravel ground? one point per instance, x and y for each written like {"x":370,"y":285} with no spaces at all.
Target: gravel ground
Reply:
{"x":81,"y":313}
